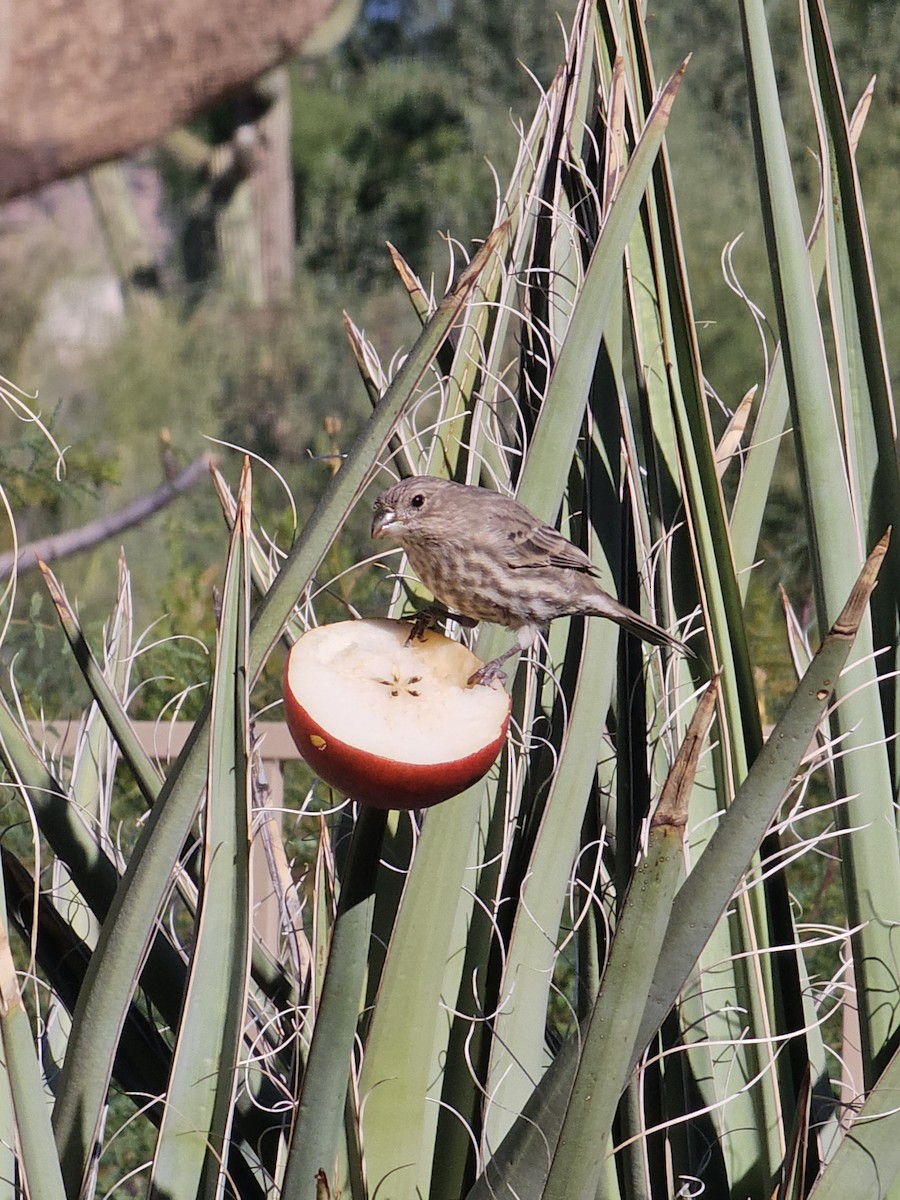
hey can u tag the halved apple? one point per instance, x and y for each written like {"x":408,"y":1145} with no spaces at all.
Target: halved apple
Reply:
{"x":389,"y":724}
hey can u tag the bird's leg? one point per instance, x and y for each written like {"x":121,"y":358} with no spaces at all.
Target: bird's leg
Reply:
{"x":428,"y":617}
{"x":525,"y":637}
{"x":490,"y":671}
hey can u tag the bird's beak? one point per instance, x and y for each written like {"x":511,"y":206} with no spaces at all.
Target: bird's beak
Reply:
{"x":383,"y":522}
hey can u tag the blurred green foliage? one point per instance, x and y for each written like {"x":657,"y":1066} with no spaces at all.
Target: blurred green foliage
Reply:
{"x":397,"y":173}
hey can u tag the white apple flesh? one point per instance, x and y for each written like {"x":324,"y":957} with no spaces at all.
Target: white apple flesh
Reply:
{"x":389,"y":724}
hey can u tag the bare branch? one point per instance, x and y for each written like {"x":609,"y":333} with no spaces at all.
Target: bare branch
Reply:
{"x":61,"y":545}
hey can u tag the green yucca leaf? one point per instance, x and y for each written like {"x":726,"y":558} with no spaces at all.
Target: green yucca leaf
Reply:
{"x":191,"y":1151}
{"x":518,"y":1054}
{"x":867,"y":1161}
{"x":143,"y":1056}
{"x":395,"y":1071}
{"x":684,"y":502}
{"x":559,"y":1142}
{"x":22,"y":1083}
{"x":862,"y":364}
{"x":8,"y":1134}
{"x":768,"y":430}
{"x":129,"y":925}
{"x":707,"y":890}
{"x":320,"y":1108}
{"x":563,"y":406}
{"x":133,"y":912}
{"x":836,"y":531}
{"x":347,"y":485}
{"x":522,"y":1156}
{"x":142,"y":767}
{"x":385,"y":1081}
{"x":132,"y":917}
{"x":869,"y":422}
{"x":604,"y":1064}
{"x":94,"y":763}
{"x":91,"y":868}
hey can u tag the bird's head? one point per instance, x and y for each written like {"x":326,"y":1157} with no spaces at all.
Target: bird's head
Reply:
{"x":411,"y":507}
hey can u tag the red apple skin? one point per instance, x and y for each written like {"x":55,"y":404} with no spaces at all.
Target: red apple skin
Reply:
{"x":383,"y":782}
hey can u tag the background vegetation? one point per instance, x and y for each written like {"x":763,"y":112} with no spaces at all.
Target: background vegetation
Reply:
{"x":398,"y":135}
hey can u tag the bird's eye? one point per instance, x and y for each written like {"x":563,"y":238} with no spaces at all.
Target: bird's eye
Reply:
{"x":418,"y":500}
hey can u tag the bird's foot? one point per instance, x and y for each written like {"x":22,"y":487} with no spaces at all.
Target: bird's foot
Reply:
{"x":488,"y":674}
{"x":428,"y":618}
{"x":424,"y":619}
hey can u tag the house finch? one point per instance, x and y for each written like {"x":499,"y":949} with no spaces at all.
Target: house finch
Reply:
{"x":487,"y":558}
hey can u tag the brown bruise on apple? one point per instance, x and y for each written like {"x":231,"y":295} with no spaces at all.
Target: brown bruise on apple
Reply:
{"x":389,"y":724}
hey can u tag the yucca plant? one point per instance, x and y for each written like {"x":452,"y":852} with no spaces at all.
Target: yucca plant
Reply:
{"x":585,"y":977}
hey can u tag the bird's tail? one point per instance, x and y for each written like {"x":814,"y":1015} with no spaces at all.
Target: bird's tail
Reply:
{"x":640,"y":627}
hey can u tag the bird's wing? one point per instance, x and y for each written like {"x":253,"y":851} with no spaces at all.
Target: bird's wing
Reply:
{"x":528,"y":543}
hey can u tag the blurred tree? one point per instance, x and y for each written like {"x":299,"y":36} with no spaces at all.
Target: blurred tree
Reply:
{"x":497,"y":47}
{"x":402,"y":170}
{"x":234,"y":172}
{"x":127,"y":244}
{"x":433,"y":92}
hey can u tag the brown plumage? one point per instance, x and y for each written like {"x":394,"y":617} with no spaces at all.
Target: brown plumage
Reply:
{"x":487,"y":558}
